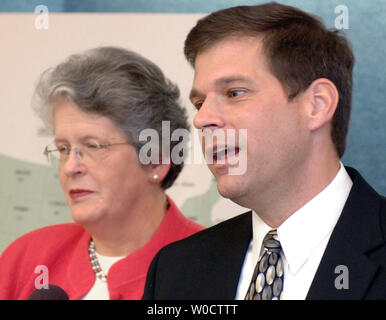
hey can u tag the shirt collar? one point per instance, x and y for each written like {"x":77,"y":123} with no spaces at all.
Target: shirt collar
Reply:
{"x":260,"y":229}
{"x":305,"y":229}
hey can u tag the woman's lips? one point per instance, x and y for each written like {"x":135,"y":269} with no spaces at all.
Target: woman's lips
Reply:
{"x":77,"y":194}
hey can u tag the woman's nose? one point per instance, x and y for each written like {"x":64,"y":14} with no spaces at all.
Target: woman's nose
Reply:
{"x":74,"y":163}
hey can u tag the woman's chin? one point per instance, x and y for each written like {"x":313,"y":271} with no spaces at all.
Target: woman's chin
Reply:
{"x":84,"y":215}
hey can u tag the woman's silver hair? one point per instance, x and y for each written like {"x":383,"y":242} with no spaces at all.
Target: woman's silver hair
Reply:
{"x":120,"y":85}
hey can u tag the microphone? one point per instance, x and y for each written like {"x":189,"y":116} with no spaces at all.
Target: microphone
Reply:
{"x":53,"y":292}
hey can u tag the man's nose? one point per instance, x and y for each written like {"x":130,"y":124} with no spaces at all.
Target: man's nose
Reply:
{"x":210,"y":115}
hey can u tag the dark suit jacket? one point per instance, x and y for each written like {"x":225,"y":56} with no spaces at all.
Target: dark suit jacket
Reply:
{"x":207,"y":265}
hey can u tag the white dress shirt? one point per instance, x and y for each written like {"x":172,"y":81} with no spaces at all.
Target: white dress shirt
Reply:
{"x":303,"y":237}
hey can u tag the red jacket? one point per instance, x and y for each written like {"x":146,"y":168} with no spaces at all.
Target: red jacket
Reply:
{"x":63,"y":249}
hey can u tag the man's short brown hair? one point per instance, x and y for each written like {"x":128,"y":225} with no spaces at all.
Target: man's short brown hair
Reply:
{"x":297,"y":45}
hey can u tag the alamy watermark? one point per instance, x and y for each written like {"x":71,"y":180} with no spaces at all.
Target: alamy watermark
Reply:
{"x":342,"y":18}
{"x":41,"y":21}
{"x":342,"y":280}
{"x":42,"y":280}
{"x":227,"y":147}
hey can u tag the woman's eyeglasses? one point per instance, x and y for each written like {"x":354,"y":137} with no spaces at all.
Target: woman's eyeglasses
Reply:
{"x":92,"y":150}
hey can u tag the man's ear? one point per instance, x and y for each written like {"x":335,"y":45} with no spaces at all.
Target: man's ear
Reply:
{"x":324,"y":98}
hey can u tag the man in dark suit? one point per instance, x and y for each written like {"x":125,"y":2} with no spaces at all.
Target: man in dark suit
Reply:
{"x":316,"y":229}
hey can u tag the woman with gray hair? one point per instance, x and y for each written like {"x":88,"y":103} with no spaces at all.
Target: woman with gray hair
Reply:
{"x":97,"y":104}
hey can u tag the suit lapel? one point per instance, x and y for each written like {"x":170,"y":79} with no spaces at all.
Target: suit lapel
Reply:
{"x":345,"y":261}
{"x":343,"y":272}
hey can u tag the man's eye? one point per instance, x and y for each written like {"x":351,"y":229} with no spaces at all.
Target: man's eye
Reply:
{"x":236,"y":92}
{"x":198,"y":104}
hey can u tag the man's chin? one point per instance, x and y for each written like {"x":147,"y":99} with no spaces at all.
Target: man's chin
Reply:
{"x":227,"y":189}
{"x":231,"y":188}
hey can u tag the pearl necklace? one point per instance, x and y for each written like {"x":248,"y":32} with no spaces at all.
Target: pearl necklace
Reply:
{"x":95,"y":263}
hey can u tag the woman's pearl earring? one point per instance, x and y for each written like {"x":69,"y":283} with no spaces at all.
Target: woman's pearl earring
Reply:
{"x":155,"y":177}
